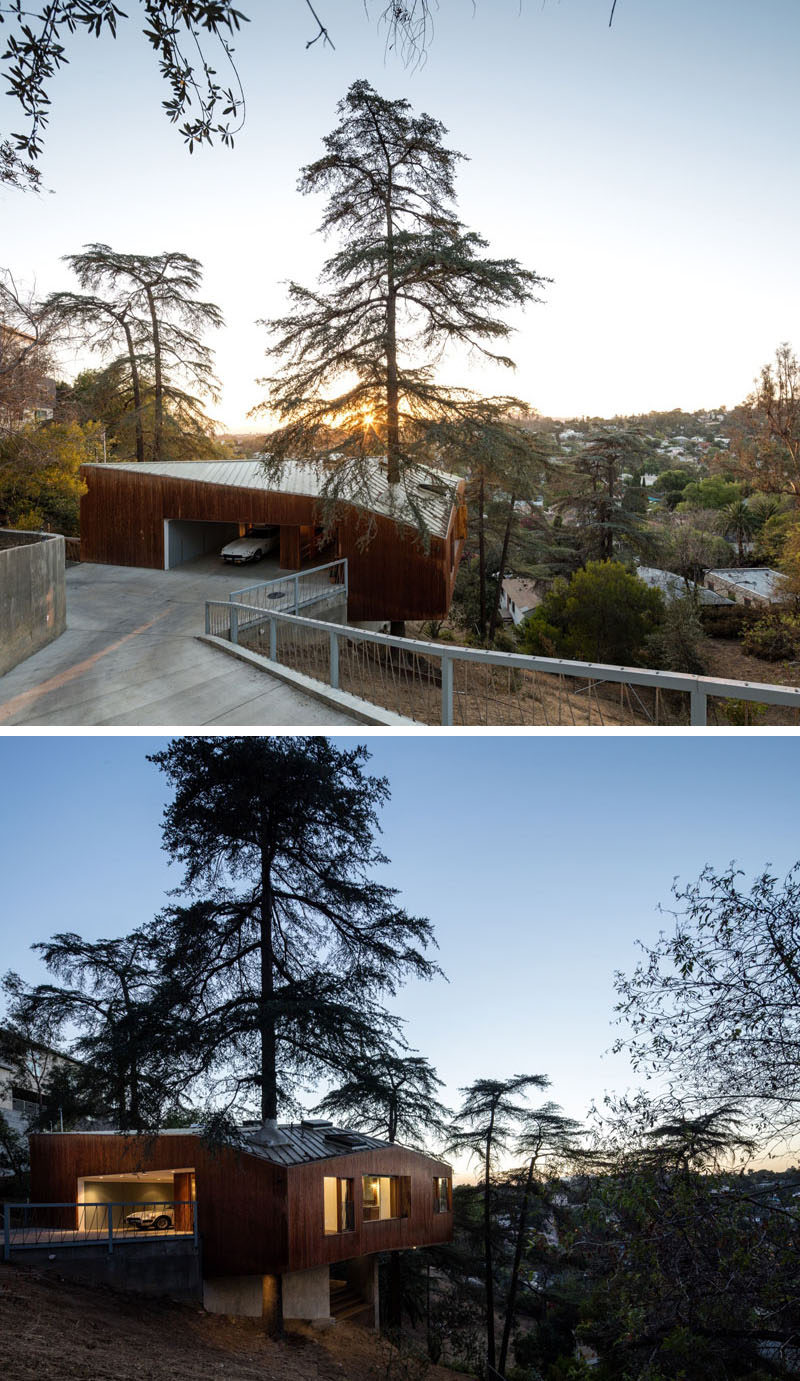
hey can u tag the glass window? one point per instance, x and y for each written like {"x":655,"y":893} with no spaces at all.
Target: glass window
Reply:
{"x":441,"y":1194}
{"x":386,"y":1196}
{"x":338,"y":1199}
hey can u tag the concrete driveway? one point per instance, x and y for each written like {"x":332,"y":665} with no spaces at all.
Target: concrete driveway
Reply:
{"x":130,"y":655}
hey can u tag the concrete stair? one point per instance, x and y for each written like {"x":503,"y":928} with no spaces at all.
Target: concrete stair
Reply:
{"x":348,"y":1304}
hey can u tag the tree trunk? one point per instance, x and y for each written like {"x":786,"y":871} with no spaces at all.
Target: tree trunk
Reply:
{"x":137,"y":392}
{"x":392,"y":389}
{"x":487,"y":1242}
{"x":512,"y":1288}
{"x":158,"y":396}
{"x":266,"y":1017}
{"x":506,"y":540}
{"x":481,"y":561}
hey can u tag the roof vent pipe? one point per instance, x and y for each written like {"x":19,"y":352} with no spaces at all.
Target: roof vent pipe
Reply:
{"x":268,"y":1134}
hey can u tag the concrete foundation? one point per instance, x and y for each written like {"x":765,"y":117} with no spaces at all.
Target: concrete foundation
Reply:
{"x":33,"y":602}
{"x":249,"y":1297}
{"x":307,"y":1294}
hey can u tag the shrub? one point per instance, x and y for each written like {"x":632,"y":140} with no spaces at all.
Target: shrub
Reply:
{"x":678,"y":644}
{"x":775,"y":637}
{"x":602,"y":614}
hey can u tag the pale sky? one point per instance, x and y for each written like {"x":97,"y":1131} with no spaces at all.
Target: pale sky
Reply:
{"x":540,"y":861}
{"x":650,"y":169}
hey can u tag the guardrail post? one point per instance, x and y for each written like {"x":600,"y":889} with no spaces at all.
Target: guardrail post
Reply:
{"x":110,"y":1216}
{"x":208,"y":617}
{"x":296,"y":580}
{"x":273,"y":640}
{"x":334,"y":637}
{"x":346,"y":582}
{"x":6,"y":1232}
{"x":698,"y":705}
{"x":234,"y":624}
{"x":447,"y":689}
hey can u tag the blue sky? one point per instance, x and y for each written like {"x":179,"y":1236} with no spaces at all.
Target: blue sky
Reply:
{"x":650,"y":169}
{"x":540,"y":862}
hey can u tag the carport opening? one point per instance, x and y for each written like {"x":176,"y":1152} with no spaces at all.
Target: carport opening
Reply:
{"x":186,"y":541}
{"x":161,"y":1201}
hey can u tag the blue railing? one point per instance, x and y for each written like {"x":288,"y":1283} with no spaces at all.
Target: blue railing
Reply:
{"x":26,"y":1226}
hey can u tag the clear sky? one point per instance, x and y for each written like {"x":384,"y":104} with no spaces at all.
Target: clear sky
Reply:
{"x":540,"y":862}
{"x":650,"y":169}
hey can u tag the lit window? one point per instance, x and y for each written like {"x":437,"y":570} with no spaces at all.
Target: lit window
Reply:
{"x":441,"y":1194}
{"x":338,"y":1198}
{"x":386,"y":1196}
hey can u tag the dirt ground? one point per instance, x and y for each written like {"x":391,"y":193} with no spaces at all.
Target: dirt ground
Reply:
{"x":726,"y":659}
{"x":56,"y":1329}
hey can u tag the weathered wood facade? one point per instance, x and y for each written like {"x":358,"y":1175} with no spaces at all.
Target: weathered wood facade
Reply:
{"x":392,"y":576}
{"x":255,"y":1217}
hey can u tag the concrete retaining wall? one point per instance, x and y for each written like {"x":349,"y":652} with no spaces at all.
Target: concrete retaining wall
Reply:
{"x":33,"y":601}
{"x":166,"y":1268}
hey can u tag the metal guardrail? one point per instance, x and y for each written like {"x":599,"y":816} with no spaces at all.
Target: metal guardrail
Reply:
{"x":26,"y":1226}
{"x":438,"y":683}
{"x":289,"y":593}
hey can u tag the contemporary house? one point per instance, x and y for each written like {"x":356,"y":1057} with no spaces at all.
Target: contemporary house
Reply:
{"x":311,"y":1209}
{"x":163,"y":514}
{"x":751,"y":585}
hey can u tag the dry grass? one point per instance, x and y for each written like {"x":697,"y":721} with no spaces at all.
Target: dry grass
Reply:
{"x":56,"y":1329}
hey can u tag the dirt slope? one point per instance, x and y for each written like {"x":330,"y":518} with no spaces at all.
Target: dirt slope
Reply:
{"x":59,"y":1330}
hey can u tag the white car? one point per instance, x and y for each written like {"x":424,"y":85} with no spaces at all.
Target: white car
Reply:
{"x":258,"y":542}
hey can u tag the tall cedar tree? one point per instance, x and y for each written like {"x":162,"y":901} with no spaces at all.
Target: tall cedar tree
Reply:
{"x":484,"y":1128}
{"x":391,"y":1094}
{"x":546,"y":1139}
{"x":106,"y":992}
{"x":149,"y":302}
{"x":287,"y":944}
{"x":409,"y":280}
{"x":602,"y":505}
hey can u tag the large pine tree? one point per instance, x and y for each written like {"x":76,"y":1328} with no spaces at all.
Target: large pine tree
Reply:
{"x":357,"y":379}
{"x":284,"y":945}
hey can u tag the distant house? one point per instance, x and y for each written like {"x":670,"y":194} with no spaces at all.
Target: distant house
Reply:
{"x":25,"y":1068}
{"x":312,"y":1208}
{"x":160,"y":515}
{"x":753,"y":586}
{"x":517,"y":598}
{"x":26,"y":394}
{"x":673,"y":586}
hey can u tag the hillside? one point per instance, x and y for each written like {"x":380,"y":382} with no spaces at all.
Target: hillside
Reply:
{"x":54,"y":1329}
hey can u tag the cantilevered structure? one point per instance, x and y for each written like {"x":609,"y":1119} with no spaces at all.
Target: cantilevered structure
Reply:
{"x":162,"y":514}
{"x":311,"y":1207}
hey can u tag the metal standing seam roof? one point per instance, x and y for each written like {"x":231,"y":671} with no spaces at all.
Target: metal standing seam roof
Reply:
{"x":307,"y":480}
{"x":300,"y":1141}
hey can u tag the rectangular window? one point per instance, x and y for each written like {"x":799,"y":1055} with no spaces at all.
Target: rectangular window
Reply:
{"x":339,"y":1204}
{"x":442,"y":1202}
{"x":386,"y":1196}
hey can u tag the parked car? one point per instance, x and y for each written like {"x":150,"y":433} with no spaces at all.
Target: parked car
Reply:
{"x":258,"y":542}
{"x":149,"y":1218}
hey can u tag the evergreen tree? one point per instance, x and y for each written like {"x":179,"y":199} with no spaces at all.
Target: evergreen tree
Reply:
{"x":603,"y":506}
{"x":409,"y":279}
{"x":390,"y":1094}
{"x":485,"y":1128}
{"x":285,"y":944}
{"x":146,"y":303}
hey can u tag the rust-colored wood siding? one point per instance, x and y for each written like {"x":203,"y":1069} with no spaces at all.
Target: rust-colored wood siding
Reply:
{"x":241,"y":1201}
{"x":393,"y":577}
{"x":309,"y":1245}
{"x":254,"y":1218}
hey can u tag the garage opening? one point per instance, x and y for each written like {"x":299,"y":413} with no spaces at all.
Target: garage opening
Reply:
{"x":186,"y":541}
{"x":154,"y":1201}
